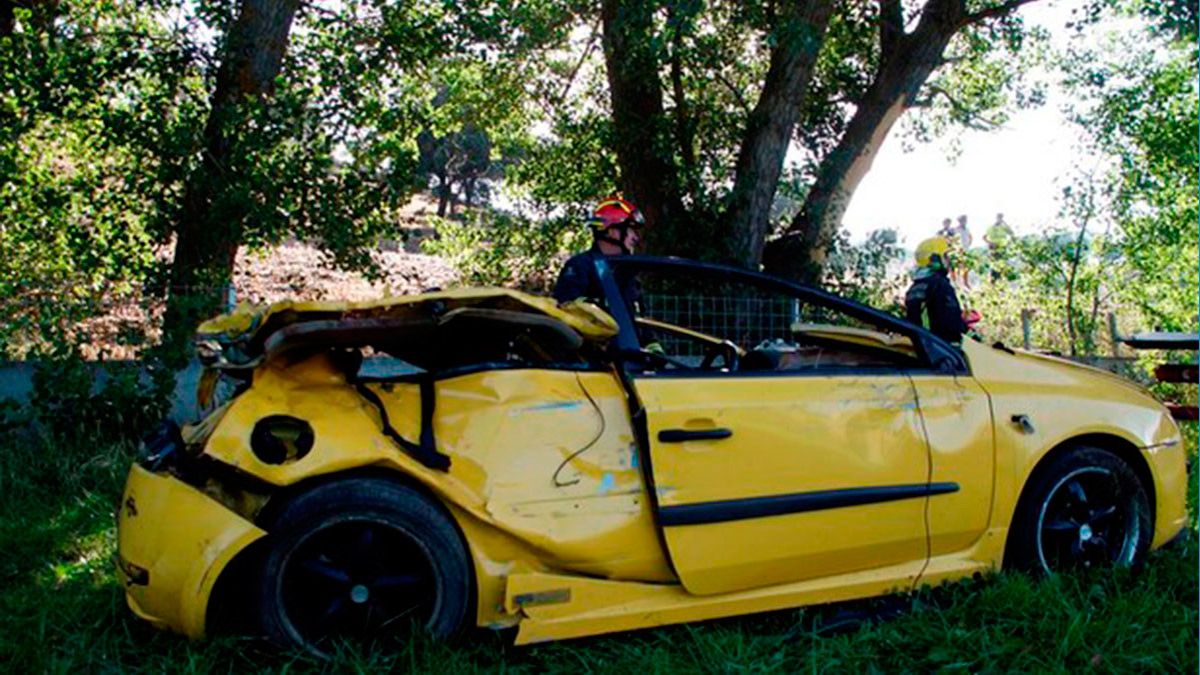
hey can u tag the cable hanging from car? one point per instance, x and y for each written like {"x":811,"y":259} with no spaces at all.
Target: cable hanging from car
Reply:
{"x":595,"y":439}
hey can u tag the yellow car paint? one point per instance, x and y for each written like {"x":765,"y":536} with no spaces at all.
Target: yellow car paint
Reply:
{"x":181,"y":556}
{"x":956,"y":416}
{"x":655,"y":324}
{"x":594,"y":520}
{"x":894,"y":343}
{"x":548,"y":481}
{"x":822,"y":432}
{"x":1065,"y":401}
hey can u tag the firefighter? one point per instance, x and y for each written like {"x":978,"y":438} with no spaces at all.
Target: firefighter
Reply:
{"x":931,"y":300}
{"x":616,"y":230}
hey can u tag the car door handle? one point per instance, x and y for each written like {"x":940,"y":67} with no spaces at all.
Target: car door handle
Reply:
{"x":681,"y":435}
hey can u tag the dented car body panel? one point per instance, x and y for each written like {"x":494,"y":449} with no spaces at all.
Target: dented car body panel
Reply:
{"x":171,"y":565}
{"x":597,"y":489}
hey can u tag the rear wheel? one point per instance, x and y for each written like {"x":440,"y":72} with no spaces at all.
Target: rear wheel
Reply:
{"x":1086,"y":509}
{"x":360,"y":560}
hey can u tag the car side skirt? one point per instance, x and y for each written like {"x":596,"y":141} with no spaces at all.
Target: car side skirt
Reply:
{"x":558,"y":607}
{"x":800,"y":502}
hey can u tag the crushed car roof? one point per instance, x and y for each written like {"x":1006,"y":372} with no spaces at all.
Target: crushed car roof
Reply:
{"x":244,"y":336}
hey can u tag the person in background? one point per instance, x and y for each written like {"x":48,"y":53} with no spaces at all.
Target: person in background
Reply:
{"x":616,"y":230}
{"x":947,"y":231}
{"x":963,"y":233}
{"x":999,"y":235}
{"x":998,"y":238}
{"x":931,"y":300}
{"x":960,"y":244}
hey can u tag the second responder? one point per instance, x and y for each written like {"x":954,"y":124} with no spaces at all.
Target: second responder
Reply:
{"x":931,"y":300}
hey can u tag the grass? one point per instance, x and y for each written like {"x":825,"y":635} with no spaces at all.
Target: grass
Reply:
{"x":62,"y":608}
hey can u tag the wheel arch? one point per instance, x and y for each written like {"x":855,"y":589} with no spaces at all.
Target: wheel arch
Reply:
{"x":230,"y":608}
{"x":1125,"y":450}
{"x":1122,"y":448}
{"x":279,"y":499}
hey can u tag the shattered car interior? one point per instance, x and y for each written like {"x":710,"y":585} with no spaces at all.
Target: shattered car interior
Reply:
{"x":715,"y":442}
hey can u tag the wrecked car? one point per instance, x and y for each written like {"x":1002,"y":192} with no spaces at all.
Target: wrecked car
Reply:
{"x":717,"y":443}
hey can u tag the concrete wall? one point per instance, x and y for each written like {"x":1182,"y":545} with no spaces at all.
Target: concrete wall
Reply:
{"x":16,"y":383}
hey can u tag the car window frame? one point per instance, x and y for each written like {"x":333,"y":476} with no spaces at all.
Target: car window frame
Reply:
{"x":935,"y":355}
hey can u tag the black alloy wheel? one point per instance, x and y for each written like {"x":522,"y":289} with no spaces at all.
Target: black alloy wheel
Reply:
{"x":1087,"y":509}
{"x":361,"y":561}
{"x":353,"y":580}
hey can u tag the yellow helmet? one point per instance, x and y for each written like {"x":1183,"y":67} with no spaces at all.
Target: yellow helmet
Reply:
{"x":933,"y":246}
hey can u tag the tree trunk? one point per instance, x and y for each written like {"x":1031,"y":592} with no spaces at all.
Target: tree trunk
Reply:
{"x":800,"y":253}
{"x":799,"y":36}
{"x":648,"y":176}
{"x":210,"y":226}
{"x":8,"y":17}
{"x":443,"y":193}
{"x":1076,"y":258}
{"x":684,"y":126}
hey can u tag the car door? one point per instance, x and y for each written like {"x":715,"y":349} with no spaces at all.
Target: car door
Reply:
{"x":765,"y":480}
{"x":807,"y":463}
{"x":958,"y":420}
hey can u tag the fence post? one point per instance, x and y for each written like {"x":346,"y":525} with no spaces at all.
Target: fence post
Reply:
{"x":1026,"y":328}
{"x":1114,"y":335}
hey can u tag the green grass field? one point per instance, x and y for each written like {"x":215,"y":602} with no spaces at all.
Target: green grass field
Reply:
{"x":62,"y":609}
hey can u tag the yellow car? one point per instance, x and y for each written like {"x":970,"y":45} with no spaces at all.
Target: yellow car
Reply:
{"x":712,"y":442}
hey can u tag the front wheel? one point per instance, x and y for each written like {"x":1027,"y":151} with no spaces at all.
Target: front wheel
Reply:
{"x":1086,"y":509}
{"x":360,"y":560}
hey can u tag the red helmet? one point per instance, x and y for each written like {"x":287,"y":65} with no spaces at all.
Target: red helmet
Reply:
{"x":615,"y":212}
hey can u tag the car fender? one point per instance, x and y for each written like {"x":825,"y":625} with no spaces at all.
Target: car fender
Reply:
{"x":1041,"y":406}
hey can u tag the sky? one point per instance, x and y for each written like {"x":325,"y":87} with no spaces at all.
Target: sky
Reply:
{"x":1014,"y":170}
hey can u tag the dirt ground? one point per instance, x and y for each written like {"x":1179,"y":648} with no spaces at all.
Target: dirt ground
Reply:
{"x":301,"y":271}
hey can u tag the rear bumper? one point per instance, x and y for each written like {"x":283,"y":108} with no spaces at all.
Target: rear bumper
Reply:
{"x":173,"y":541}
{"x":1183,"y":535}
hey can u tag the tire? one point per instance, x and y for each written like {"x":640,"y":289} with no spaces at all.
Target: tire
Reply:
{"x":1085,"y":509}
{"x":361,"y":560}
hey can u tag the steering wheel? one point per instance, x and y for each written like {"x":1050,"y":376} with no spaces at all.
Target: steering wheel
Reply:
{"x":725,"y":349}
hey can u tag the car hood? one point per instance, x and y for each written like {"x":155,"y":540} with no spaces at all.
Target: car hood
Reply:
{"x":1006,"y":364}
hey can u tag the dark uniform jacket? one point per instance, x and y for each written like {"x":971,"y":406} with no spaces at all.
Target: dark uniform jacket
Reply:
{"x":578,"y":279}
{"x":933,"y":298}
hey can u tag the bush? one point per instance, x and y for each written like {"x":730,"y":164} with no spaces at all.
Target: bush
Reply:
{"x":502,"y":249}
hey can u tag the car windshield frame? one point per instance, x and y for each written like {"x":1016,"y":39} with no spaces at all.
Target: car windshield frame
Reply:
{"x":935,"y":354}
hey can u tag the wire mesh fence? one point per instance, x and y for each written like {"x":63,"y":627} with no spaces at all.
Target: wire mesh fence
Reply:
{"x":744,"y":320}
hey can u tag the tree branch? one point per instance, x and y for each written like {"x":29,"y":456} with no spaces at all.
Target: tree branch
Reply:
{"x":587,"y":51}
{"x":737,"y":93}
{"x":992,"y":12}
{"x":972,"y":119}
{"x":683,"y":121}
{"x":891,"y":28}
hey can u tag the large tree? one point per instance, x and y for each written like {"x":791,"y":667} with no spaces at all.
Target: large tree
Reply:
{"x":211,"y":220}
{"x":318,"y":134}
{"x":906,"y":60}
{"x":842,"y":74}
